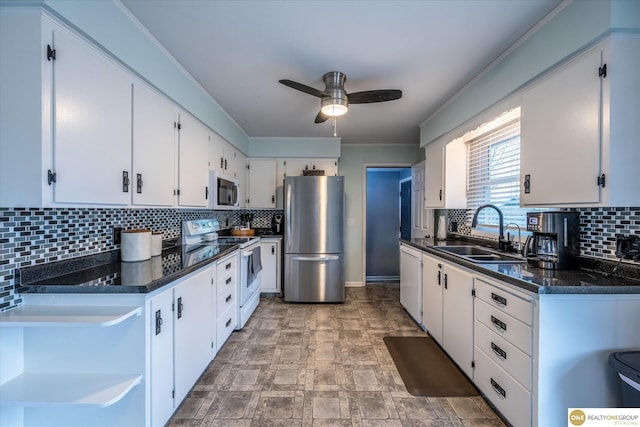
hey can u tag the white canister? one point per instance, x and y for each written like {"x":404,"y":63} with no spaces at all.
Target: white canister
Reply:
{"x":156,"y":244}
{"x":135,"y":245}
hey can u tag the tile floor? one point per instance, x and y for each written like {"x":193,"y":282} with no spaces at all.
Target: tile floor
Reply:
{"x":320,"y":365}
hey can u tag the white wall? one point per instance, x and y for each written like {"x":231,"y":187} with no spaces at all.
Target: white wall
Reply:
{"x":352,"y":166}
{"x":295,"y":147}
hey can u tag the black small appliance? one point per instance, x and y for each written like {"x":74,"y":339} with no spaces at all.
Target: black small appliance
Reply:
{"x":276,"y":223}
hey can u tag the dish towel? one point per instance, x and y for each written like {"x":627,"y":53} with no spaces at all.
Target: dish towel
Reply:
{"x":254,"y":265}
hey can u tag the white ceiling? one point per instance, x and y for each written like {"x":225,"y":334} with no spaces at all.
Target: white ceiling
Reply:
{"x":429,"y":49}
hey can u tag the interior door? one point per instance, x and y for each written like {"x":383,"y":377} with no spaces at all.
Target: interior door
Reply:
{"x":405,"y":210}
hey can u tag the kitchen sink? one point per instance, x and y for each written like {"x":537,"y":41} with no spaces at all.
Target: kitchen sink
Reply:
{"x":479,"y":254}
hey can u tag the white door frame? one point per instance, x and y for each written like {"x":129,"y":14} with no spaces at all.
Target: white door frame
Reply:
{"x":366,"y":166}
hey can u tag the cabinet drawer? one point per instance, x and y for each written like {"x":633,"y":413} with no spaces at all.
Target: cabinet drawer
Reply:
{"x":225,"y":325}
{"x":504,"y":354}
{"x":505,"y":300}
{"x":511,"y":399}
{"x":512,"y":330}
{"x":226,"y":300}
{"x":225,"y":284}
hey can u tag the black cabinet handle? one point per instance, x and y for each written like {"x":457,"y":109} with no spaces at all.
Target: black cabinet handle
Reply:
{"x":228,"y":298}
{"x":439,"y":274}
{"x":221,"y":162}
{"x":446,"y":285}
{"x":273,"y":250}
{"x":273,"y":199}
{"x":440,"y":195}
{"x":227,"y":281}
{"x":499,"y":323}
{"x":139,"y":183}
{"x":496,"y":387}
{"x":499,"y":299}
{"x":158,"y":322}
{"x":498,"y":351}
{"x":206,"y":193}
{"x":125,"y":181}
{"x":228,"y":323}
{"x":180,"y":307}
{"x":228,"y":266}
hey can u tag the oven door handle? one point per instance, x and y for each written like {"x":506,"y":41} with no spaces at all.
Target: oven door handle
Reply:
{"x":316,"y":258}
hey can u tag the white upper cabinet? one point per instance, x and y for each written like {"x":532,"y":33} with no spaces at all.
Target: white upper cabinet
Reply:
{"x":295,"y":166}
{"x":154,"y":148}
{"x":242,"y":176}
{"x":420,"y":224}
{"x":193,"y":162}
{"x":445,"y":175}
{"x":579,"y":130}
{"x":262,"y":183}
{"x":225,"y":159}
{"x":92,"y":132}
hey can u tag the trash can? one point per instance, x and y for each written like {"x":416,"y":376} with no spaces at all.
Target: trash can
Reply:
{"x":627,"y":365}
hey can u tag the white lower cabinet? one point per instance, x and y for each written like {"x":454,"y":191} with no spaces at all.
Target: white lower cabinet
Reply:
{"x":411,"y":281}
{"x":448,"y":309}
{"x":271,"y":255}
{"x":181,"y":345}
{"x":226,"y":297}
{"x":503,"y":338}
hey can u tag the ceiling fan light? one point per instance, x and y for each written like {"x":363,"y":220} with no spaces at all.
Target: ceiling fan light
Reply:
{"x":334,"y":107}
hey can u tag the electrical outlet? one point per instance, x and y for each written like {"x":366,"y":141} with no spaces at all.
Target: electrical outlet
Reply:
{"x":116,"y":235}
{"x":627,"y":244}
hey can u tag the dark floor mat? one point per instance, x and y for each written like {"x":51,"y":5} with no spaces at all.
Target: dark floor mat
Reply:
{"x":426,"y":370}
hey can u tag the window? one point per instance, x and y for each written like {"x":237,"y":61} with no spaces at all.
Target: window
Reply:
{"x":493,"y":175}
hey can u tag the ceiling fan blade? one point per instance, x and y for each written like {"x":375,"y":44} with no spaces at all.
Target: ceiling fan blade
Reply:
{"x":304,"y":88}
{"x":321,"y":117}
{"x":370,"y":96}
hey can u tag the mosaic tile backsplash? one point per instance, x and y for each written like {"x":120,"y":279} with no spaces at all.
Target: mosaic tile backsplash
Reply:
{"x":598,"y":229}
{"x":33,"y":236}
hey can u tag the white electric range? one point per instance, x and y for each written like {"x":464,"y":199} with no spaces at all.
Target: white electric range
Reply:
{"x":202,"y":235}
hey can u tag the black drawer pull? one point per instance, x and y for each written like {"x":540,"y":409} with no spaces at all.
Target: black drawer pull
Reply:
{"x":228,"y":298}
{"x":228,"y":323}
{"x":439,"y":277}
{"x":499,"y":323}
{"x":227,"y":281}
{"x":498,"y":299}
{"x":498,"y":351}
{"x":228,"y":266}
{"x":496,"y":387}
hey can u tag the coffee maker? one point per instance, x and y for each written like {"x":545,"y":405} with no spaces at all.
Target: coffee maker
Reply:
{"x":555,"y":241}
{"x":276,"y":223}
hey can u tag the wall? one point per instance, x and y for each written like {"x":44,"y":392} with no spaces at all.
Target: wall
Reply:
{"x":352,"y":165}
{"x":573,"y":28}
{"x":295,"y":147}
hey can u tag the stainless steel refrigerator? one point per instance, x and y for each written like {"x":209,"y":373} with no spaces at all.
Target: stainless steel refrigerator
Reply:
{"x":313,"y":239}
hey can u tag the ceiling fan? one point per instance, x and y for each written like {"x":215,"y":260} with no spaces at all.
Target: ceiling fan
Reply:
{"x":334,"y":100}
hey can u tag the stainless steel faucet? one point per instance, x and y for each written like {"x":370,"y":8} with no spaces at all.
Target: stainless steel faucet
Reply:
{"x":519,"y":247}
{"x":474,"y":223}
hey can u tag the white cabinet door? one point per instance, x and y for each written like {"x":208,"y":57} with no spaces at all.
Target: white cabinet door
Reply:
{"x":294,"y":167}
{"x":262,"y":183}
{"x":457,"y":309}
{"x":411,"y":281}
{"x":193,"y":166}
{"x":432,"y":296}
{"x":161,"y":372}
{"x":270,"y":250}
{"x":154,"y":148}
{"x":434,"y":175}
{"x":241,"y":176}
{"x":420,"y":217}
{"x":192,"y":331}
{"x":92,"y":132}
{"x":560,"y":135}
{"x":216,"y":153}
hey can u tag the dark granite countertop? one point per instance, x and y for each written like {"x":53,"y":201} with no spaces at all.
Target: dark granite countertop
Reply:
{"x":538,"y":280}
{"x":105,"y":273}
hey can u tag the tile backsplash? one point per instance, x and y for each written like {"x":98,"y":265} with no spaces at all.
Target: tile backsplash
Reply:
{"x":598,"y":228}
{"x":30,"y":236}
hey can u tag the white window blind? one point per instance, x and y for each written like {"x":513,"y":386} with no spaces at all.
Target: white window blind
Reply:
{"x":493,"y":176}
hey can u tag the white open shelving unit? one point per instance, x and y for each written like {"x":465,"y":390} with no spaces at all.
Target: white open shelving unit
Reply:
{"x":76,"y":363}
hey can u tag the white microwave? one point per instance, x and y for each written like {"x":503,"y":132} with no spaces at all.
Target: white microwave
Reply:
{"x":226,"y":192}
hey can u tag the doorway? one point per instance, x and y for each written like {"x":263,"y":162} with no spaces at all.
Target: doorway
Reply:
{"x":388,"y":210}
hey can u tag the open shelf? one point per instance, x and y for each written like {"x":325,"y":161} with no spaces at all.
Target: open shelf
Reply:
{"x":64,"y":389}
{"x":56,"y":316}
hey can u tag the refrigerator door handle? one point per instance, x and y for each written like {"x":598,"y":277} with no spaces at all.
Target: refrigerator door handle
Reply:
{"x":316,"y":258}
